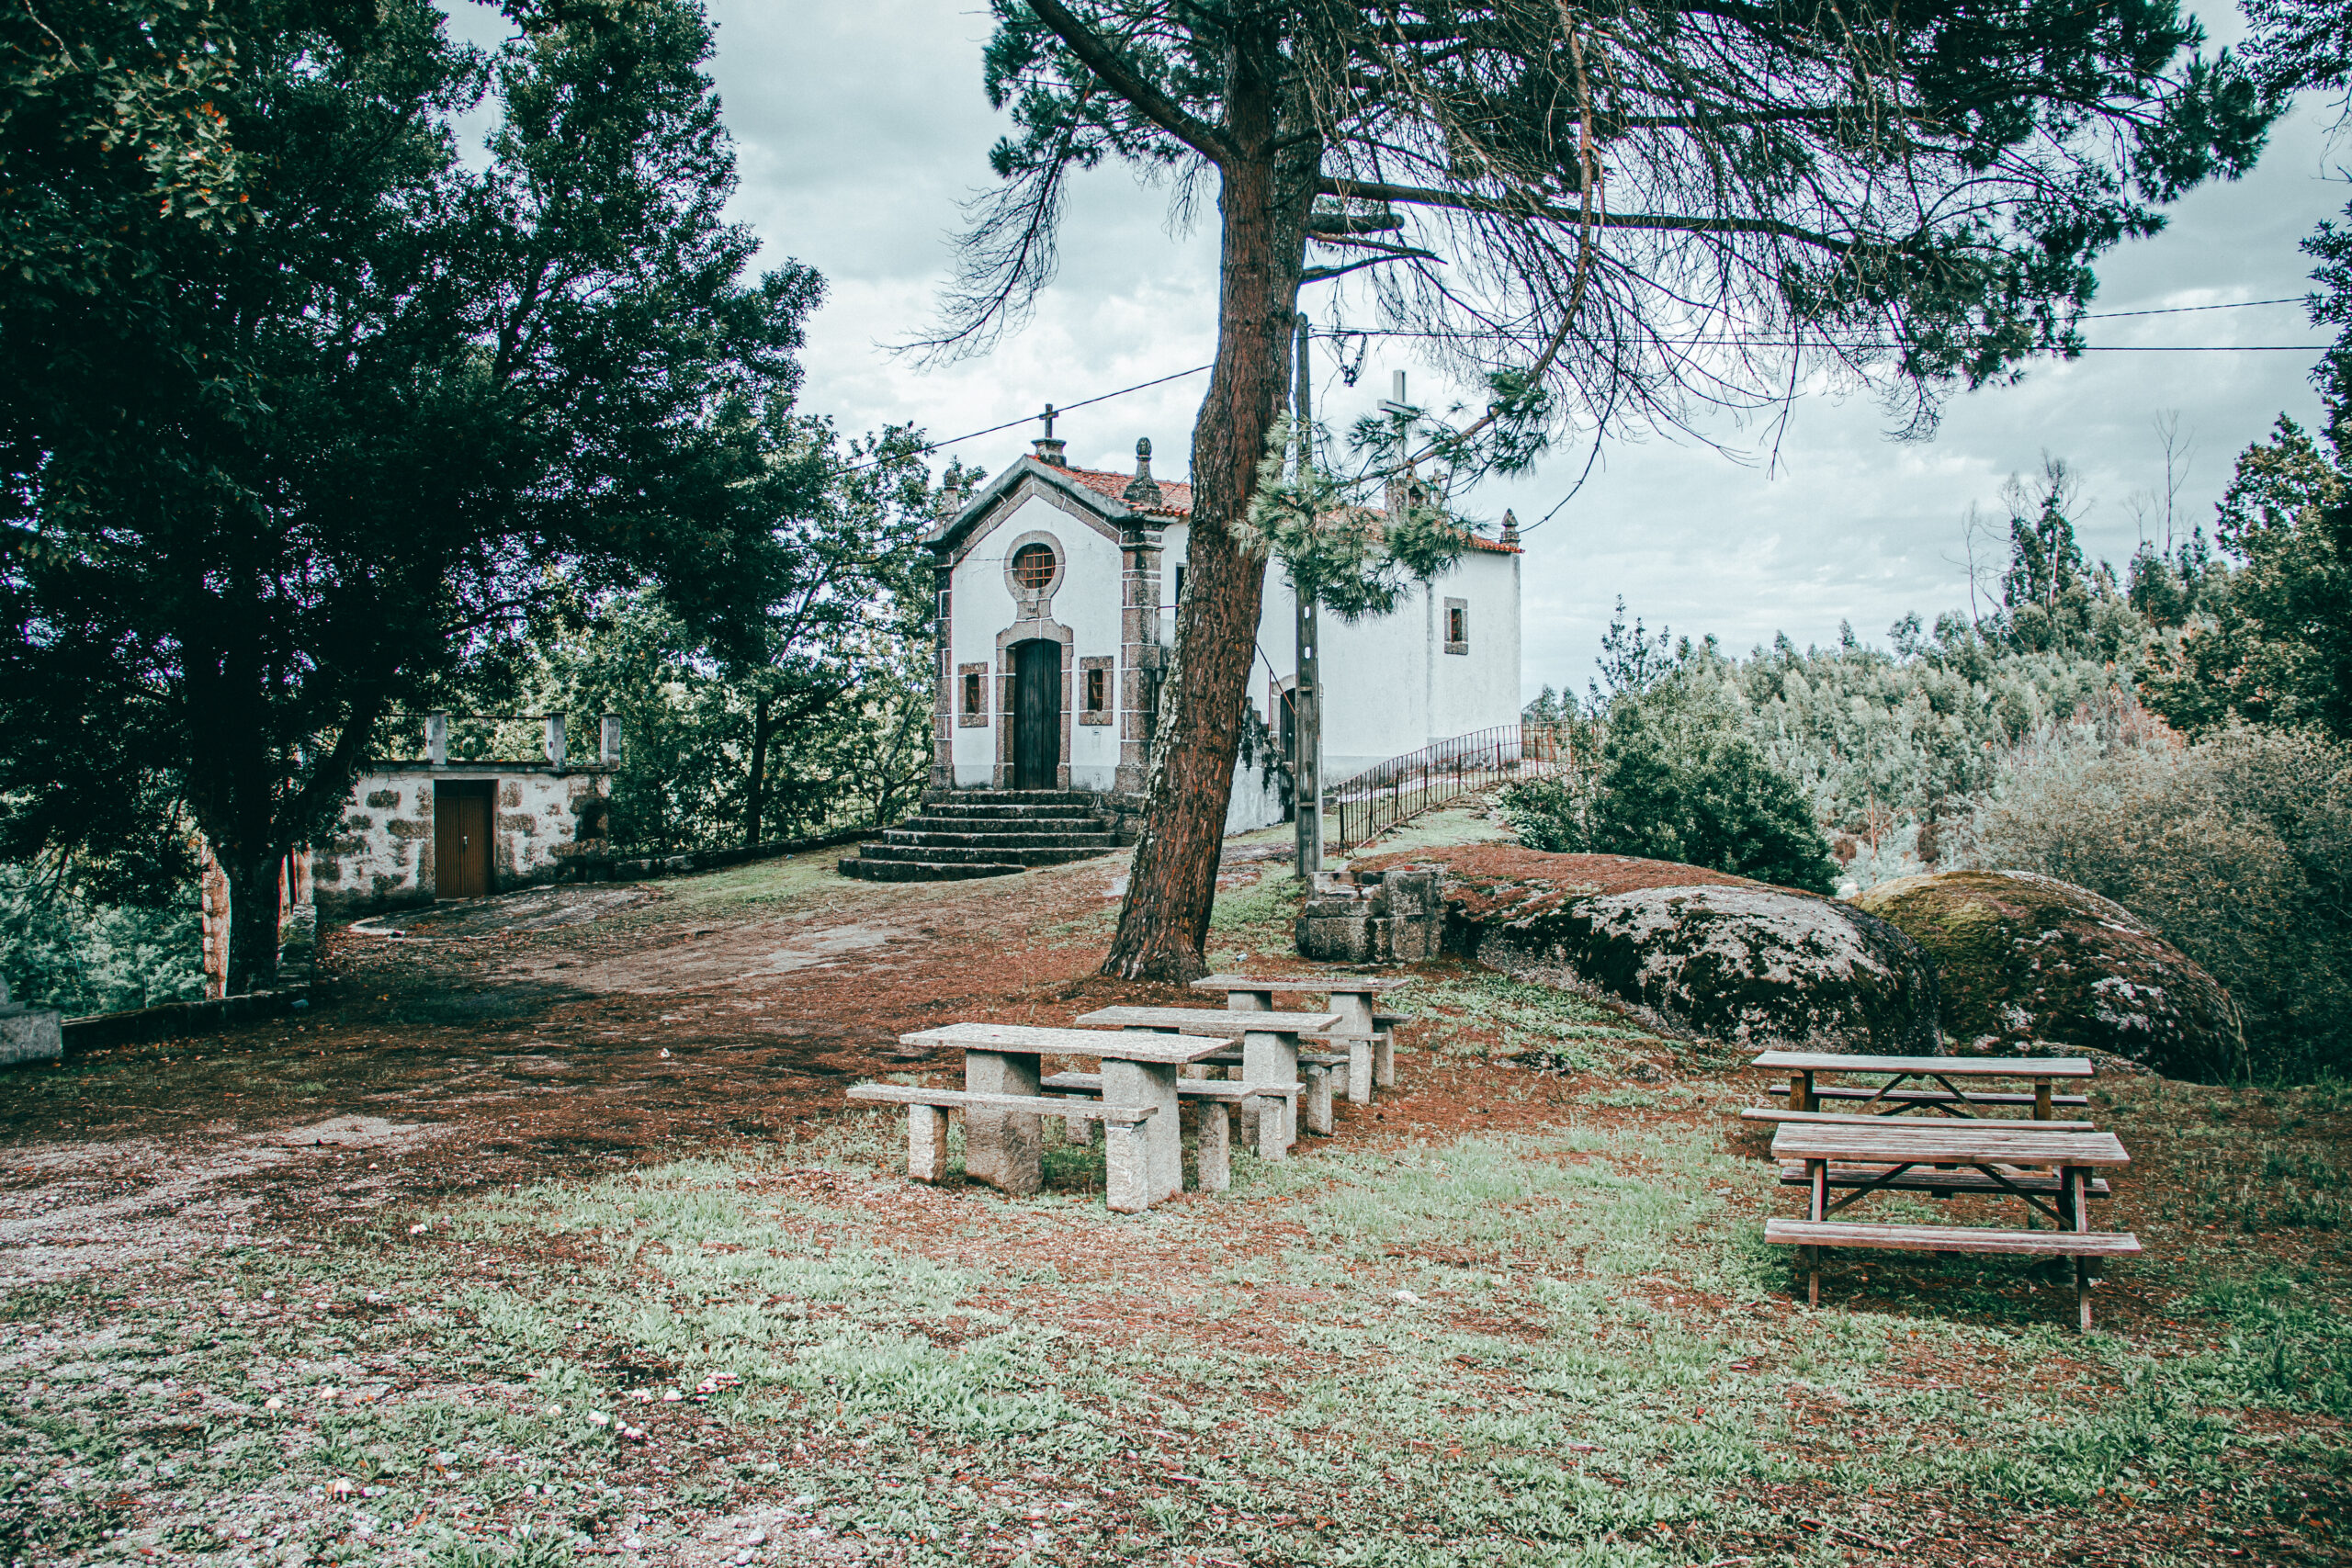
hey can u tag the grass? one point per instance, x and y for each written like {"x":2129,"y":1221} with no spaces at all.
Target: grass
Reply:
{"x":1563,"y":1349}
{"x":1418,"y":1347}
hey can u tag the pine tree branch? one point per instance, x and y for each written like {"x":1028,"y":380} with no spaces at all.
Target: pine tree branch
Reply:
{"x":1525,"y":207}
{"x":1099,"y":58}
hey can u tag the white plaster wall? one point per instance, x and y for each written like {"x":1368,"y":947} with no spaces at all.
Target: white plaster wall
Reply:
{"x":1388,"y":686}
{"x":1086,"y":600}
{"x":1479,"y":690}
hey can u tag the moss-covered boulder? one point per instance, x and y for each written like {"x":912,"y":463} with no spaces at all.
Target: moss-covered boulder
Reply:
{"x":2030,"y":962}
{"x":1694,"y":952}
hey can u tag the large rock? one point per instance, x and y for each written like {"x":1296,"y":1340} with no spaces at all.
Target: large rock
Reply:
{"x":1696,"y":951}
{"x":2030,"y":961}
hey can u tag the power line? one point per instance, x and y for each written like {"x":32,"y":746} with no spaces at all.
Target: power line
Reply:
{"x":1691,"y":342}
{"x":2183,"y":309}
{"x":1025,"y":419}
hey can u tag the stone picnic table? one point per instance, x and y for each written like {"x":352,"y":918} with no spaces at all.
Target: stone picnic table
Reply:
{"x":1370,"y":1036}
{"x":1890,"y":1099}
{"x":1881,"y":1157}
{"x":1003,"y":1144}
{"x":1268,"y":1042}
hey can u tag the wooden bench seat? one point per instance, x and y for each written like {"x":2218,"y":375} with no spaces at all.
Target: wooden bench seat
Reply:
{"x":1938,"y":1183}
{"x":1926,"y":1096}
{"x":1127,"y":1185}
{"x":1951,"y":1238}
{"x":1857,"y":1119}
{"x":1809,"y":1237}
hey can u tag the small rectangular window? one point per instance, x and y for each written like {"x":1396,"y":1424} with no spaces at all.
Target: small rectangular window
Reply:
{"x":1180,"y":585}
{"x":1458,"y":626}
{"x":971,"y":694}
{"x":1095,"y":688}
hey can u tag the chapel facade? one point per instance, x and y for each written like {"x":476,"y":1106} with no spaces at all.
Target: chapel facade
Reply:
{"x":1057,"y":590}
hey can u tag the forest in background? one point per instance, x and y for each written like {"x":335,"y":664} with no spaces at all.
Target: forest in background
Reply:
{"x":2176,"y":737}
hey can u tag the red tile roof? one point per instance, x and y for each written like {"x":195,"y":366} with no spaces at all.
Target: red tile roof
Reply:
{"x":1176,"y":500}
{"x":1175,"y":496}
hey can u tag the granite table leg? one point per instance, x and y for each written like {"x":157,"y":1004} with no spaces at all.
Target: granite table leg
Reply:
{"x":1273,"y":1058}
{"x":1152,"y":1083}
{"x":1004,"y":1149}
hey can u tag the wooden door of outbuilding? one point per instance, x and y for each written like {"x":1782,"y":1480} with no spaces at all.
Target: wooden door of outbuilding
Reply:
{"x":461,"y":817}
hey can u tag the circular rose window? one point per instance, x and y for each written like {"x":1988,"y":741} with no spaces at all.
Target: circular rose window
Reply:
{"x":1032,"y":567}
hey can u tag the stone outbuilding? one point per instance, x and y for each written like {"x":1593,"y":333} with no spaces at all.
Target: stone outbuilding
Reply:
{"x":420,"y":829}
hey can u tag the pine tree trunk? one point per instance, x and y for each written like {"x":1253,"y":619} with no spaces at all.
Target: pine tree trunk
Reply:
{"x":252,"y":917}
{"x":1264,"y":203}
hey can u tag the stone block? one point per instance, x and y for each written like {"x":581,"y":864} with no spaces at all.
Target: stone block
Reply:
{"x":28,"y":1033}
{"x":1127,"y":1168}
{"x":382,"y":798}
{"x":1339,"y":939}
{"x":926,"y":1143}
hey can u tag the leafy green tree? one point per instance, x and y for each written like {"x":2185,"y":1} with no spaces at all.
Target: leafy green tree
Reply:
{"x":821,"y":718}
{"x":2046,"y":590}
{"x":281,"y":472}
{"x":2275,"y":646}
{"x":1554,"y":192}
{"x":1679,"y":779}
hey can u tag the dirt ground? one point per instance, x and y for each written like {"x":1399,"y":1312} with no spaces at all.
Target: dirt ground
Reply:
{"x":523,"y":1145}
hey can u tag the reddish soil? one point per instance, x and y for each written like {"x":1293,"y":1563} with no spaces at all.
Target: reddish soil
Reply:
{"x":1491,"y":879}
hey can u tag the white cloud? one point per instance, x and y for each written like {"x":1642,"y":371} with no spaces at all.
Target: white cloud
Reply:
{"x":862,"y":128}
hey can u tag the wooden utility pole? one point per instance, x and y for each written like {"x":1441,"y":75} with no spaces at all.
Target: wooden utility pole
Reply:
{"x":1307,"y":697}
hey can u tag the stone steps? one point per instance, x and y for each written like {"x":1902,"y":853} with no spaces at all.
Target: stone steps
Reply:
{"x":1017,"y":836}
{"x":968,"y":854}
{"x":992,"y":832}
{"x":922,"y":871}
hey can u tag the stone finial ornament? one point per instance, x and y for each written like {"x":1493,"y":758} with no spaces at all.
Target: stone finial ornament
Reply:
{"x":1510,"y":526}
{"x":1143,"y":490}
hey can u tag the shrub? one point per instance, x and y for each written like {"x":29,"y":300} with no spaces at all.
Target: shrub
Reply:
{"x":2238,"y":850}
{"x":1678,"y":778}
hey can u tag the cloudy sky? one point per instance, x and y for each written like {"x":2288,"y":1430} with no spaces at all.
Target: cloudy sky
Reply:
{"x":862,"y":127}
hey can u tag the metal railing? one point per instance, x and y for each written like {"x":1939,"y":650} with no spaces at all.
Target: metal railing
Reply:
{"x":1366,"y":804}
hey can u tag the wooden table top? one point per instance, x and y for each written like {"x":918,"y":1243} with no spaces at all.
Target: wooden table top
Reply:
{"x":1950,"y":1066}
{"x":1113,"y":1045}
{"x":1325,"y":984}
{"x":1950,"y":1141}
{"x":1212,"y":1020}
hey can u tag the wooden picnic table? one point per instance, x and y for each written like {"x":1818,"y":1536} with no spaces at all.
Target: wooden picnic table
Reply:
{"x":1004,"y":1147}
{"x":1993,"y":1150}
{"x":1350,"y":996}
{"x":1952,"y":1100}
{"x":1268,"y":1042}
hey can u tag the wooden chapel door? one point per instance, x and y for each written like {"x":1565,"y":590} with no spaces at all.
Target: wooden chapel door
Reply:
{"x":1037,"y":710}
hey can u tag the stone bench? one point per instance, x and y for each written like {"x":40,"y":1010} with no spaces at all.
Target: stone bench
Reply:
{"x":1125,"y":1183}
{"x":1213,"y":1154}
{"x":1320,"y":1070}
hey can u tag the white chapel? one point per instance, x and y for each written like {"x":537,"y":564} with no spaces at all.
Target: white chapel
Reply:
{"x":1057,"y":590}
